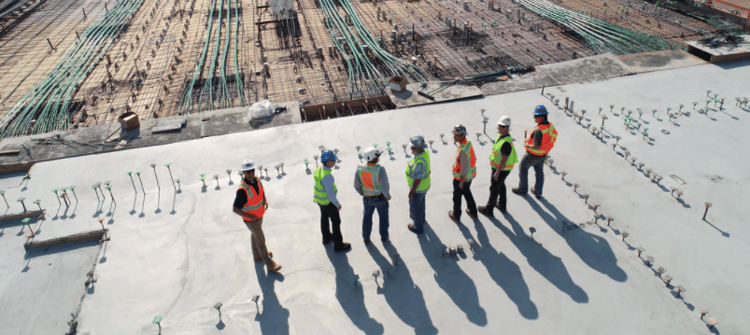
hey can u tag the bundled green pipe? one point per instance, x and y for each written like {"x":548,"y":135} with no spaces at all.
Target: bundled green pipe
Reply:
{"x":49,"y":101}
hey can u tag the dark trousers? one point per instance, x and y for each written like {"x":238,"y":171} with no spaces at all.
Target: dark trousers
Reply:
{"x":528,"y":161}
{"x":458,"y":192}
{"x":497,"y":188}
{"x":330,"y":212}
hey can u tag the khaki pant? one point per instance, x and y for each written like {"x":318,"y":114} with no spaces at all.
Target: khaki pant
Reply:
{"x":258,"y":239}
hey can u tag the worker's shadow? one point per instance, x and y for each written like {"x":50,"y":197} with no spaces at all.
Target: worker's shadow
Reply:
{"x":273,"y":318}
{"x":452,"y":279}
{"x":502,"y":270}
{"x":540,"y":259}
{"x":350,"y":295}
{"x":593,"y":250}
{"x":400,"y":291}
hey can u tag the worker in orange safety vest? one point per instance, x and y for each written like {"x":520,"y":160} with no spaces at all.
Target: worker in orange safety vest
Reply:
{"x":538,"y":145}
{"x":464,"y":171}
{"x":250,"y":203}
{"x":371,"y":182}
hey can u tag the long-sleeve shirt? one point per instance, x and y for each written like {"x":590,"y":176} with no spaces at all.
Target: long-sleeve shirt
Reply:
{"x":384,"y":185}
{"x":328,"y":185}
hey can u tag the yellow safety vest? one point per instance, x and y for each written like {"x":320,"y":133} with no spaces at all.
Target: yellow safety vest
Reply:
{"x":496,"y":156}
{"x":424,"y":158}
{"x":321,"y":197}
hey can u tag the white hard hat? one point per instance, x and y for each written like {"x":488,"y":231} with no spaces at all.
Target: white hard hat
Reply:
{"x":371,"y":153}
{"x":247,"y":165}
{"x":504,"y":121}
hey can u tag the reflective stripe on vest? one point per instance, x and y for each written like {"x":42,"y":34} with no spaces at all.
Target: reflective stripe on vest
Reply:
{"x":496,"y":155}
{"x":424,"y":158}
{"x":549,"y":136}
{"x":320,"y":195}
{"x":467,"y":149}
{"x":254,"y":204}
{"x":369,"y":176}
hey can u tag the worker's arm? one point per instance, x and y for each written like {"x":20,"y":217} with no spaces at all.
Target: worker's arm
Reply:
{"x":385,"y":187}
{"x":414,"y":186}
{"x":243,"y":214}
{"x":239,"y":201}
{"x":417,"y":175}
{"x":500,"y":168}
{"x":358,"y":183}
{"x":465,"y":167}
{"x":328,"y":185}
{"x":537,"y":135}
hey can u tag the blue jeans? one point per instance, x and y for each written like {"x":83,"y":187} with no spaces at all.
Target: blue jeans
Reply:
{"x":528,"y":161}
{"x":417,"y":210}
{"x":372,"y":203}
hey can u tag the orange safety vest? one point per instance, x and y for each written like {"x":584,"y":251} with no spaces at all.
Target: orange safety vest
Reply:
{"x":369,"y":176}
{"x":549,"y":136}
{"x":254,"y":205}
{"x":468,"y":149}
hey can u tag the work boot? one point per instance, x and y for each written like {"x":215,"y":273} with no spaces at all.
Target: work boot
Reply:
{"x":450,"y":215}
{"x":486,"y":210}
{"x":517,"y":191}
{"x":258,"y":258}
{"x":538,"y":196}
{"x":413,"y":230}
{"x":501,"y":208}
{"x":367,"y":241}
{"x":468,"y":212}
{"x":273,"y":266}
{"x":343,"y":247}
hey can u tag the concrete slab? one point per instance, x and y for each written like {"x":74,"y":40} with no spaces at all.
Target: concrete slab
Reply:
{"x":660,"y":60}
{"x":527,"y":81}
{"x":594,"y":68}
{"x":410,"y":97}
{"x":175,"y":254}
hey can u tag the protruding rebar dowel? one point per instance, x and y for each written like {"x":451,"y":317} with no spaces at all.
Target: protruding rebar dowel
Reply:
{"x":57,"y":195}
{"x":404,"y":146}
{"x":442,"y":135}
{"x":563,"y":174}
{"x":640,"y":250}
{"x":217,"y":307}
{"x":153,"y":166}
{"x":170,"y":174}
{"x":609,"y":220}
{"x":255,"y":300}
{"x":433,"y":141}
{"x":625,"y":235}
{"x":679,"y":290}
{"x":22,"y":204}
{"x":229,"y":172}
{"x":626,"y":153}
{"x":99,"y":185}
{"x":708,"y":205}
{"x":281,"y":165}
{"x":278,"y":169}
{"x":375,"y":274}
{"x":98,"y":199}
{"x":585,"y":198}
{"x":38,"y":202}
{"x":703,"y":312}
{"x":202,"y":178}
{"x":109,"y":188}
{"x":575,"y":186}
{"x":6,"y":200}
{"x":216,"y":177}
{"x":667,"y":280}
{"x":138,"y":173}
{"x":661,"y":270}
{"x":179,"y":189}
{"x":649,"y":260}
{"x":28,"y":224}
{"x":130,"y":174}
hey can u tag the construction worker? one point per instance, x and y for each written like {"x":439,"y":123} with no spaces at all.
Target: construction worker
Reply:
{"x":541,"y":141}
{"x":464,"y":171}
{"x":502,"y":159}
{"x":371,"y":182}
{"x":325,"y":197}
{"x":418,"y":178}
{"x":250,"y":203}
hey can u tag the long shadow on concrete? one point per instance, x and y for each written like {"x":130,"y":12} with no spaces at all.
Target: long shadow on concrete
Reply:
{"x":502,"y":270}
{"x":274,"y":318}
{"x":449,"y":276}
{"x":540,"y":259}
{"x":400,"y":292}
{"x":593,"y":250}
{"x":350,"y":296}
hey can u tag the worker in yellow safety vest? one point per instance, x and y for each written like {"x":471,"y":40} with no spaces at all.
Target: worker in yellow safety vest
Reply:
{"x":371,"y":182}
{"x":418,"y":179}
{"x":325,"y":196}
{"x":502,"y":159}
{"x":538,"y":145}
{"x":464,"y":171}
{"x":250,"y":203}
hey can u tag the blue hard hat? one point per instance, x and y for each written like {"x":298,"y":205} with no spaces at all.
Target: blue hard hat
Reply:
{"x":540,"y":110}
{"x":328,"y":156}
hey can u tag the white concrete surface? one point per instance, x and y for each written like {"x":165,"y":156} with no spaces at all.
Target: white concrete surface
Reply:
{"x":176,"y":254}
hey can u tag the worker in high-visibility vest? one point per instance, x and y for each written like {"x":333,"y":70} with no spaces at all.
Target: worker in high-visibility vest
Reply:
{"x":502,"y":159}
{"x":325,"y":196}
{"x":250,"y":203}
{"x":418,"y":179}
{"x":371,"y":182}
{"x":464,"y":171}
{"x":538,"y":145}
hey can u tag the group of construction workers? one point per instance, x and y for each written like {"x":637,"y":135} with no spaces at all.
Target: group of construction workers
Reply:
{"x":371,"y":182}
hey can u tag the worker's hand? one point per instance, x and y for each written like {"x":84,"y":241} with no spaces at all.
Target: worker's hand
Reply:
{"x":411,"y":194}
{"x":339,"y":208}
{"x":495,"y":176}
{"x":389,"y":198}
{"x":265,"y":205}
{"x":252,"y":217}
